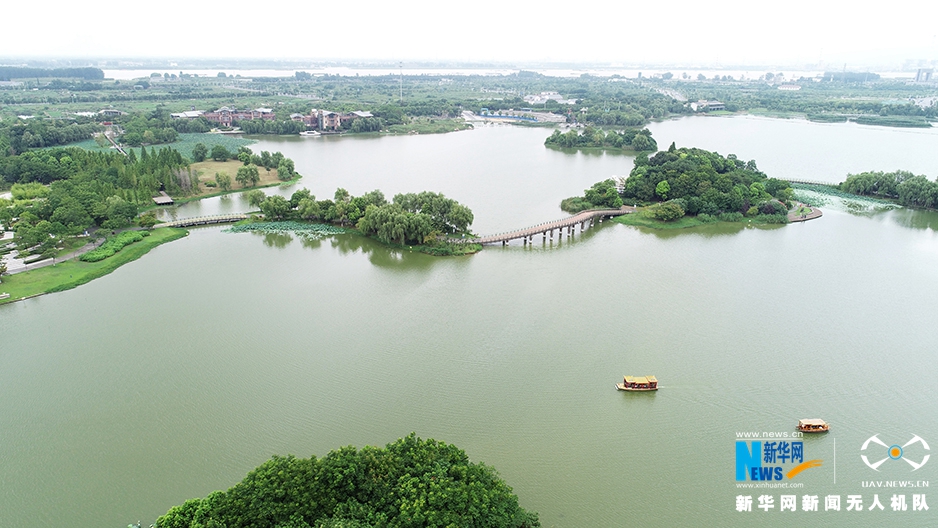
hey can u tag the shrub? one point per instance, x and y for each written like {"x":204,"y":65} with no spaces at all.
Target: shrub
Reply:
{"x":773,"y":207}
{"x":668,"y":211}
{"x":772,"y":219}
{"x":113,"y":245}
{"x":731,"y":217}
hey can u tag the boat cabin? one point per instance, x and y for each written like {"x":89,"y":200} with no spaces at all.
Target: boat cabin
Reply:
{"x":640,"y":382}
{"x":813,"y":425}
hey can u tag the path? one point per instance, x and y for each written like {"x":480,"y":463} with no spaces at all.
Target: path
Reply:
{"x":793,"y":216}
{"x":547,"y":228}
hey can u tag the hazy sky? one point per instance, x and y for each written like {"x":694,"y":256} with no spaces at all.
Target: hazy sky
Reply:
{"x":679,"y":31}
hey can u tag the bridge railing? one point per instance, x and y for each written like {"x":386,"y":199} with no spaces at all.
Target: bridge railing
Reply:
{"x":571,"y":220}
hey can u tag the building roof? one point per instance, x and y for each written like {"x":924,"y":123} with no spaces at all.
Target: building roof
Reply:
{"x":362,"y":114}
{"x":163,"y":199}
{"x":191,"y":114}
{"x":263,"y":110}
{"x":812,"y":421}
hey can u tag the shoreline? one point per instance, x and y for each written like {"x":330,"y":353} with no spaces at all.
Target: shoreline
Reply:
{"x":72,"y":273}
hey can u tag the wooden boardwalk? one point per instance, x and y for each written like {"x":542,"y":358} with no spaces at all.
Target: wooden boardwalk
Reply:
{"x":204,"y":220}
{"x":814,"y":182}
{"x":582,"y":219}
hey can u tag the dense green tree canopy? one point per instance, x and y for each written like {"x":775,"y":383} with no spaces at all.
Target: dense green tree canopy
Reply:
{"x":704,"y":181}
{"x":409,"y":483}
{"x":630,"y":139}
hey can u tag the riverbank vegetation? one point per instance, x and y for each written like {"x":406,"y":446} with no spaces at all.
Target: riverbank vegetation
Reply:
{"x":411,"y":482}
{"x":696,"y":182}
{"x":628,"y":139}
{"x":113,"y":245}
{"x":903,"y":187}
{"x":73,"y":273}
{"x":64,"y":192}
{"x":424,"y":221}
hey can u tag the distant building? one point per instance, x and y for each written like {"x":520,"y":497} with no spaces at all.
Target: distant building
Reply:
{"x":543,"y":97}
{"x":110,"y":112}
{"x":707,"y":106}
{"x":924,"y":75}
{"x":789,"y":87}
{"x":328,"y":120}
{"x":224,"y":116}
{"x":191,"y":114}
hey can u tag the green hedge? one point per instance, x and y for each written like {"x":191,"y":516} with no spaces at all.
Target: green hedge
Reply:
{"x":113,"y":245}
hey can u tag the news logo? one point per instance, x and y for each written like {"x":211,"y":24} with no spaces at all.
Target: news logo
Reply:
{"x":896,"y":452}
{"x":774,"y":460}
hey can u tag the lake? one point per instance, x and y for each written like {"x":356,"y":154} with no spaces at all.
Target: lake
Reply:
{"x":180,"y":372}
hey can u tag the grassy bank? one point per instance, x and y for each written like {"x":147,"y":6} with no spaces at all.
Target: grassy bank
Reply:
{"x":643,"y":218}
{"x":428,"y":126}
{"x":74,"y":273}
{"x":216,"y":192}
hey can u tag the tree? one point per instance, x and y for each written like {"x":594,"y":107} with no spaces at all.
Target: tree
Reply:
{"x":199,"y":152}
{"x":411,"y":482}
{"x":223,"y":180}
{"x":255,"y":197}
{"x":148,"y":220}
{"x":662,"y":189}
{"x":668,"y":211}
{"x":275,"y":207}
{"x":641,"y":142}
{"x":308,"y":208}
{"x":285,"y":170}
{"x":247,"y":174}
{"x":220,"y":153}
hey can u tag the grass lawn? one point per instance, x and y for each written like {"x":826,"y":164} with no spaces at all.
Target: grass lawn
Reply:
{"x":640,"y":220}
{"x":74,"y":273}
{"x":643,"y":219}
{"x":429,"y":126}
{"x":207,"y":169}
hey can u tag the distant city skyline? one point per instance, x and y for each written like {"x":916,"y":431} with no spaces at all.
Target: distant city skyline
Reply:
{"x":683,"y":33}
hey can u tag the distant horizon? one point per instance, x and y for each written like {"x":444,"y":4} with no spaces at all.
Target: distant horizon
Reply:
{"x":720,"y":33}
{"x":166,"y":62}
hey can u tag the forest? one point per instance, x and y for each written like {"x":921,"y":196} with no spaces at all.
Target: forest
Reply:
{"x":901,"y":186}
{"x":411,"y":218}
{"x":692,"y":181}
{"x":409,"y":483}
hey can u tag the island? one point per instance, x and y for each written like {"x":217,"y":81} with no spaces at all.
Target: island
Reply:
{"x":410,"y":482}
{"x":684,"y":187}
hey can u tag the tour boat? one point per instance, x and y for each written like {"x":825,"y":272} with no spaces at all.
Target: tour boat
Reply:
{"x":638,"y":384}
{"x":813,"y":425}
{"x":310,"y":133}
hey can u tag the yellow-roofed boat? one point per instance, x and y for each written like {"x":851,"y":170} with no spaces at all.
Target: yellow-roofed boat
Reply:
{"x":638,"y":384}
{"x":813,"y":425}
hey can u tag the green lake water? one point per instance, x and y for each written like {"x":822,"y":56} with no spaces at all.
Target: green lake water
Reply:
{"x":180,"y":372}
